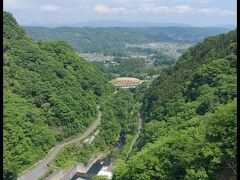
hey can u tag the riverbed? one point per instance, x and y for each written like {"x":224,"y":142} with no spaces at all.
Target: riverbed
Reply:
{"x":101,"y":164}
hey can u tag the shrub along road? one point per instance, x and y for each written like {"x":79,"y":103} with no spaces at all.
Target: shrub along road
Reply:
{"x":41,"y":167}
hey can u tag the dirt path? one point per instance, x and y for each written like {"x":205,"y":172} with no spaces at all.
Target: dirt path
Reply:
{"x":41,"y":167}
{"x":140,"y":122}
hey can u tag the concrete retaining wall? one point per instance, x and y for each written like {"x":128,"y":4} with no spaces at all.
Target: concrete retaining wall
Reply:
{"x":77,"y":168}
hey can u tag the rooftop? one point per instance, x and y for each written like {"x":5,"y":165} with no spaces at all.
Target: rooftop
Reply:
{"x":126,"y":82}
{"x":126,"y":79}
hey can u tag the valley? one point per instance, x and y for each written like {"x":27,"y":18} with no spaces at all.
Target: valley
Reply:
{"x":140,"y":52}
{"x":143,"y":103}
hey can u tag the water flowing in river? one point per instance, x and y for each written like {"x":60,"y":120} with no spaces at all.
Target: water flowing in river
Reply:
{"x":97,"y":166}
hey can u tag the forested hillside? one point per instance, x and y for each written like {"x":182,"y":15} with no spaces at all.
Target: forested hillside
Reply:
{"x":119,"y":117}
{"x":113,"y":40}
{"x":49,"y":94}
{"x":190,"y":117}
{"x":127,"y":51}
{"x":189,"y":110}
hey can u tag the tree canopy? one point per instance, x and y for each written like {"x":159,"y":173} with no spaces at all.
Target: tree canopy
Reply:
{"x":49,"y":94}
{"x":190,"y":117}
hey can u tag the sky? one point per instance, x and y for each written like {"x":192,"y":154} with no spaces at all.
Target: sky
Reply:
{"x":192,"y":12}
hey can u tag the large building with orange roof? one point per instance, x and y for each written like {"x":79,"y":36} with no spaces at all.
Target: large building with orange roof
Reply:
{"x":126,"y":82}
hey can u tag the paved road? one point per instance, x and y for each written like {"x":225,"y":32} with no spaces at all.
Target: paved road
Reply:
{"x":41,"y":167}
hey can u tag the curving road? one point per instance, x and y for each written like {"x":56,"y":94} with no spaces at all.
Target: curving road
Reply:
{"x":41,"y":167}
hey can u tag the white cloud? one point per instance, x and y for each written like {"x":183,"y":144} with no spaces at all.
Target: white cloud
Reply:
{"x":161,"y":9}
{"x":101,"y":8}
{"x":181,"y":9}
{"x":203,"y":1}
{"x":198,"y":1}
{"x":215,"y":11}
{"x":148,"y":8}
{"x":118,"y":9}
{"x":50,"y":8}
{"x":123,"y":2}
{"x":226,"y":12}
{"x":208,"y":11}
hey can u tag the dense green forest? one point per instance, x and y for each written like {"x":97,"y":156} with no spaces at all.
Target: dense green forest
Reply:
{"x":190,"y":117}
{"x":49,"y":94}
{"x":119,"y":116}
{"x":139,"y":52}
{"x":113,"y":40}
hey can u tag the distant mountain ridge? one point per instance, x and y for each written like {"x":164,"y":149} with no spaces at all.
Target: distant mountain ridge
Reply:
{"x":228,"y":26}
{"x":111,"y":23}
{"x":114,"y":39}
{"x":118,"y":23}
